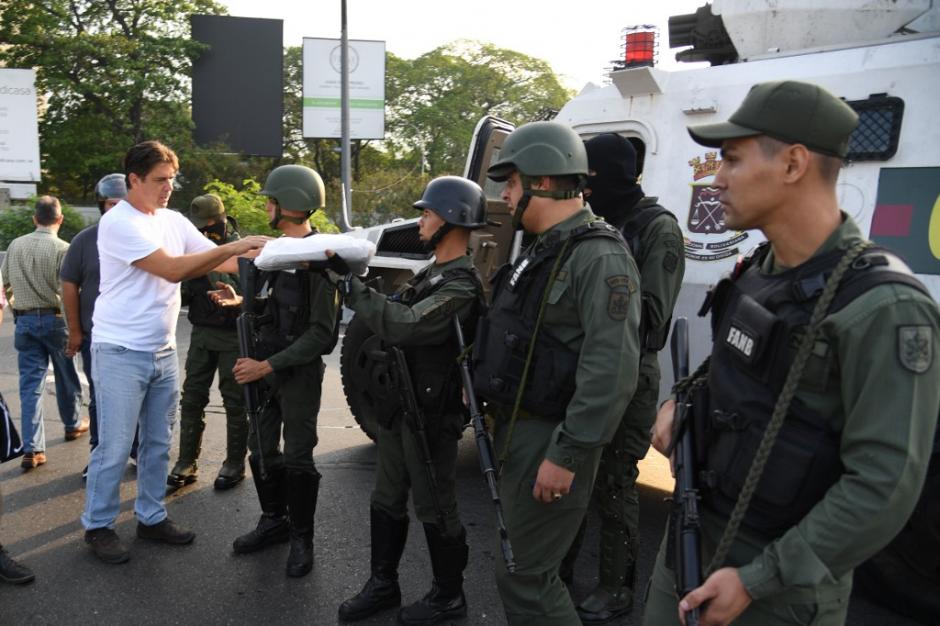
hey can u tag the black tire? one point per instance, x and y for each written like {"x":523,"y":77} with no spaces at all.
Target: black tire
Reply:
{"x":365,"y":380}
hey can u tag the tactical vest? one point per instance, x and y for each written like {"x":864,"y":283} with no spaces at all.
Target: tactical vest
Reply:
{"x":434,"y":367}
{"x":504,"y":335}
{"x":203,"y":311}
{"x":286,"y":311}
{"x":651,"y":340}
{"x":758,"y":321}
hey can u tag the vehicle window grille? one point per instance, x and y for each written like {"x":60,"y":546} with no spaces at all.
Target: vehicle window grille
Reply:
{"x":402,"y":241}
{"x":879,"y":126}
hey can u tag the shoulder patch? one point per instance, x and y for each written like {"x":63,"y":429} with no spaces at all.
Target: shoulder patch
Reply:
{"x":670,"y":262}
{"x":915,"y":347}
{"x":444,"y":307}
{"x":618,"y":302}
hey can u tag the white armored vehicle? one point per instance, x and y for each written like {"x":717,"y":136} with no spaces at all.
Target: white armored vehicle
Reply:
{"x":881,"y":56}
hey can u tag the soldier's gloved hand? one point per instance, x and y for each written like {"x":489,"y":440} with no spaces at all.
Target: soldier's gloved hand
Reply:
{"x":338,"y":272}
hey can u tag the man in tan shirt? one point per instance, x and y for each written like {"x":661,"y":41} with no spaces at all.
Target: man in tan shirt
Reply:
{"x":31,"y":268}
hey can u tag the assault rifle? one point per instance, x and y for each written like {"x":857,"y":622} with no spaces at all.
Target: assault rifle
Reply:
{"x":247,"y":340}
{"x":684,"y":520}
{"x":484,"y":446}
{"x":418,"y":426}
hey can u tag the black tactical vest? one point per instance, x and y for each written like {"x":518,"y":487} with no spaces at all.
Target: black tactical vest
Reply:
{"x":286,"y":309}
{"x":434,"y":367}
{"x":758,"y":321}
{"x":632,"y":230}
{"x":503,"y":336}
{"x":203,"y":311}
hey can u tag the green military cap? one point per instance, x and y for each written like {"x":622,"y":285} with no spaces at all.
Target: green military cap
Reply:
{"x":204,"y":208}
{"x":789,"y":111}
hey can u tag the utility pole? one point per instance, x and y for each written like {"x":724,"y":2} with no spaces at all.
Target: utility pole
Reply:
{"x":344,"y":123}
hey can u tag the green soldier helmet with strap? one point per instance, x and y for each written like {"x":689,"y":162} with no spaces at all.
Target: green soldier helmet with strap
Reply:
{"x":294,"y":188}
{"x":541,"y":149}
{"x":456,"y":200}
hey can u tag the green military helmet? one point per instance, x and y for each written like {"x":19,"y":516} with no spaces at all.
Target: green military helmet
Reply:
{"x":296,"y":188}
{"x":541,"y":149}
{"x":456,"y":200}
{"x":205,"y":207}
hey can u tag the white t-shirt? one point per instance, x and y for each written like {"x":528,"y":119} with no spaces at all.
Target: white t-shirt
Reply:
{"x":137,"y":309}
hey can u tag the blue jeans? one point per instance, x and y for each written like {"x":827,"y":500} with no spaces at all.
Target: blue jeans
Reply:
{"x":133,"y":388}
{"x":92,"y":402}
{"x":39,"y":339}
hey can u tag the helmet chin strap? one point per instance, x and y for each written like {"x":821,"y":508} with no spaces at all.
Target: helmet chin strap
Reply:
{"x":528,"y":193}
{"x":278,"y":216}
{"x":520,"y":209}
{"x":436,"y":238}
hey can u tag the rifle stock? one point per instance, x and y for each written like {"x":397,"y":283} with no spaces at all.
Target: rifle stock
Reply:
{"x":247,"y":275}
{"x":685,"y":521}
{"x":484,"y":447}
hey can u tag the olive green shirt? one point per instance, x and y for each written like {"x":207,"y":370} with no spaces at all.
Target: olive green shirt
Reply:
{"x":212,"y":337}
{"x":426,"y":322}
{"x":593,"y":309}
{"x":874,"y":375}
{"x":662,"y":267}
{"x":31,"y":268}
{"x":317,"y":340}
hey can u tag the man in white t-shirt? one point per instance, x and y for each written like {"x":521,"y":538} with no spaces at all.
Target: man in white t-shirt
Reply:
{"x":145,"y":250}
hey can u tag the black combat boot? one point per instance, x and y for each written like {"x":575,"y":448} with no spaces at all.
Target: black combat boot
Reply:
{"x":236,"y":444}
{"x":273,"y":526}
{"x":445,"y":600}
{"x":186,"y":470}
{"x":381,"y":590}
{"x":302,"y":504}
{"x":613,"y":597}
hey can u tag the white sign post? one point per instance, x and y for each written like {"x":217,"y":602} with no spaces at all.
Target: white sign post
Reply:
{"x":19,"y":127}
{"x":322,"y":118}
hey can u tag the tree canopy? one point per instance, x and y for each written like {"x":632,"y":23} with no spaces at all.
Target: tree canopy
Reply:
{"x":116,"y":72}
{"x":435,"y":100}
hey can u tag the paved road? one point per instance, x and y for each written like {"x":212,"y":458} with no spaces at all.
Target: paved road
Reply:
{"x":205,"y":583}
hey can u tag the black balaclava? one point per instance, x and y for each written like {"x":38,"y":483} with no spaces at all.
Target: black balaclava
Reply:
{"x":216,"y":232}
{"x":614,"y":190}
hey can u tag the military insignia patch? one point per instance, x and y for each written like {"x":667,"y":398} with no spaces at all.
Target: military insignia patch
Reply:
{"x":618,"y":303}
{"x":915,"y":348}
{"x":670,"y":262}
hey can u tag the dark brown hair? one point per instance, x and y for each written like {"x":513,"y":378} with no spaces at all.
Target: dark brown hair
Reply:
{"x":48,"y":210}
{"x":143,"y":157}
{"x":827,"y":166}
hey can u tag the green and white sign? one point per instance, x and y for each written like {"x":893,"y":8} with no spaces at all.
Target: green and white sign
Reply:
{"x":322,"y":83}
{"x":19,"y":128}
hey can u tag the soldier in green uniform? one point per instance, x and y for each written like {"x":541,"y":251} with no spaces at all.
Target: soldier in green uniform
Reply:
{"x":213,"y":347}
{"x":556,"y":359}
{"x":846,"y":466}
{"x":419,"y":319}
{"x":655,"y":241}
{"x":299,"y":326}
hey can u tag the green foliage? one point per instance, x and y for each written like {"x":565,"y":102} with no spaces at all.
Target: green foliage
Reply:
{"x":435,"y":101}
{"x":18,"y":221}
{"x":115,"y":72}
{"x":247,"y":206}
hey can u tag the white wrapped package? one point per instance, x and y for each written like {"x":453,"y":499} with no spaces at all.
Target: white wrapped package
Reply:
{"x":291,"y":252}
